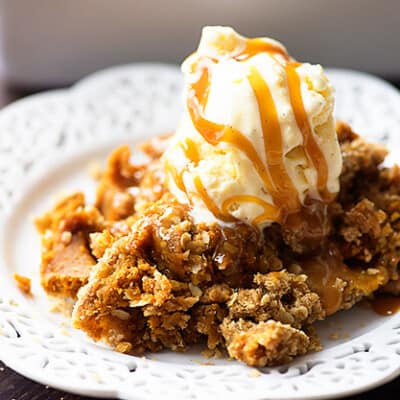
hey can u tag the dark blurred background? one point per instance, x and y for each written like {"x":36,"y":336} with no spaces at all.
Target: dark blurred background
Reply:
{"x":48,"y":43}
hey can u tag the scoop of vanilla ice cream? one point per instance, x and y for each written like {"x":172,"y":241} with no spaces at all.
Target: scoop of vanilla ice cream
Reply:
{"x":229,"y":179}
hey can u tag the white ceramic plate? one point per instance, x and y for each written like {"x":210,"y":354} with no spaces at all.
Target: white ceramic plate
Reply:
{"x":45,"y":144}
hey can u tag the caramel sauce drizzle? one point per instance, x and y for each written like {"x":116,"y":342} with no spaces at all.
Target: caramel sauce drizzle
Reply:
{"x":191,"y":153}
{"x":386,"y":304}
{"x":202,"y":192}
{"x":269,"y":210}
{"x":256,"y":46}
{"x":313,"y":151}
{"x":323,"y":270}
{"x":175,"y":175}
{"x":190,"y":150}
{"x":273,"y":173}
{"x":215,"y":133}
{"x":284,"y":193}
{"x":201,"y":87}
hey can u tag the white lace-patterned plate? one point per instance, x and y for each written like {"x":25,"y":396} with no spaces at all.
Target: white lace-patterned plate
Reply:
{"x":45,"y":144}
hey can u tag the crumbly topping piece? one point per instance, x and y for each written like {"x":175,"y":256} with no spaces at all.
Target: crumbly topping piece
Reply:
{"x":23,"y":283}
{"x":266,"y":343}
{"x":280,"y":296}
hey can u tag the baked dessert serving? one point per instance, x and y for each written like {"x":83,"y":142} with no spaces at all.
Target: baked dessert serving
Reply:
{"x":259,"y":216}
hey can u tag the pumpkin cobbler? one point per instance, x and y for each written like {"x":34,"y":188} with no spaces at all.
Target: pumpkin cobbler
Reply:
{"x":259,"y":216}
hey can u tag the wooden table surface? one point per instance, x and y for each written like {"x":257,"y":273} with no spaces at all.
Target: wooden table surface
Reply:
{"x":15,"y":387}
